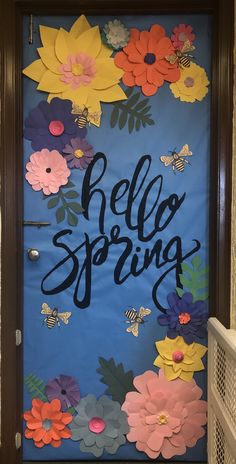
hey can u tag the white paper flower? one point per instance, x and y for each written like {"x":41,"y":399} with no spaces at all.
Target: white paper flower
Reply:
{"x":115,"y":34}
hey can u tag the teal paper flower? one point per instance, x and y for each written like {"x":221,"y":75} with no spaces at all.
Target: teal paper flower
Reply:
{"x":115,"y":34}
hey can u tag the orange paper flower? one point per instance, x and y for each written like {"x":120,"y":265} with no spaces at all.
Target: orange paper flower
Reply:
{"x":46,"y":424}
{"x":143,"y":60}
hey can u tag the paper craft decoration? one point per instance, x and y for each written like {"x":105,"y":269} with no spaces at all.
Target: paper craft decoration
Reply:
{"x":47,"y":171}
{"x":177,"y":160}
{"x":76,"y":65}
{"x":164,"y":417}
{"x":143,"y":60}
{"x":135,"y":318}
{"x":181,"y":34}
{"x":114,"y":376}
{"x":182,"y":56}
{"x":78,"y":153}
{"x":46,"y":424}
{"x":192,"y":84}
{"x":195,"y":279}
{"x":51,"y":125}
{"x":69,"y":209}
{"x":185,"y":317}
{"x":53,"y":317}
{"x":115,"y":35}
{"x":179,"y":359}
{"x":66,"y":389}
{"x":99,"y":425}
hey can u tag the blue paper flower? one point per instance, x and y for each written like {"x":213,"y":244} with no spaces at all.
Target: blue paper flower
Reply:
{"x":185,"y":317}
{"x":51,"y":125}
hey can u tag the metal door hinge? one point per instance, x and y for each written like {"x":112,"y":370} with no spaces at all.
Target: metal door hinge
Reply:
{"x":18,"y":337}
{"x":18,"y":440}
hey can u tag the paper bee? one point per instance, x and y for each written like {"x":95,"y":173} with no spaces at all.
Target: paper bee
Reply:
{"x":53,"y":317}
{"x":177,"y":159}
{"x":182,"y":56}
{"x":84,"y":116}
{"x":135,"y":319}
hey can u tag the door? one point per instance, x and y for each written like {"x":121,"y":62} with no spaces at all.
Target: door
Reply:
{"x":117,"y":235}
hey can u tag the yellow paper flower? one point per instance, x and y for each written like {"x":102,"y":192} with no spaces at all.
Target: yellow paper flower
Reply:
{"x":76,"y":65}
{"x":192,"y":84}
{"x":178,"y":359}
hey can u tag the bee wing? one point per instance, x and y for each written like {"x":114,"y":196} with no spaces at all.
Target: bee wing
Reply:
{"x":187,"y":47}
{"x":171,"y":58}
{"x":133,"y":329}
{"x":167,"y":160}
{"x":144,"y":312}
{"x":64,"y":317}
{"x":185,"y":151}
{"x":94,"y":118}
{"x":45,"y":309}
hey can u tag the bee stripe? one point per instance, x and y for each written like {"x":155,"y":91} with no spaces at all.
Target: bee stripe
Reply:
{"x":179,"y":164}
{"x":51,"y":321}
{"x":82,"y":121}
{"x":185,"y":61}
{"x":131,"y":314}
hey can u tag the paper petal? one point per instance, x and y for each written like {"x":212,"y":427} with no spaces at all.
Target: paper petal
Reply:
{"x":90,"y":42}
{"x":65,"y":46}
{"x":50,"y":82}
{"x":35,"y":70}
{"x":80,"y":25}
{"x":49,"y":59}
{"x":48,"y":35}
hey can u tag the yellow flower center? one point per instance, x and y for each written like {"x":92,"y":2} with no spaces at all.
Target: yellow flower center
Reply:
{"x":162,"y":419}
{"x":78,"y":153}
{"x":77,"y":69}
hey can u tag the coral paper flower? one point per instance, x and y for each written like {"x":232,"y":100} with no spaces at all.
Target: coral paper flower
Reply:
{"x":47,"y":171}
{"x":179,"y":359}
{"x":51,"y":125}
{"x":185,"y":318}
{"x":165,"y":418}
{"x":192,"y":84}
{"x":78,"y":154}
{"x":181,"y":34}
{"x":64,"y":388}
{"x":143,"y":60}
{"x":46,"y":424}
{"x":76,"y":65}
{"x":100,"y":424}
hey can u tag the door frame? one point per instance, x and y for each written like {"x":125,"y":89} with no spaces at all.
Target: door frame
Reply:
{"x":222,"y":12}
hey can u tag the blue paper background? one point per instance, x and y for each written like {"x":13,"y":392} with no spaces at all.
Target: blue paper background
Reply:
{"x":100,"y":330}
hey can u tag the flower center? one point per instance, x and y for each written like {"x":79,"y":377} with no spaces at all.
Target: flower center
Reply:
{"x":63,"y":392}
{"x":77,"y":69}
{"x":97,"y":425}
{"x":162,"y":419}
{"x":182,"y":37}
{"x":78,"y":153}
{"x":178,"y":356}
{"x":189,"y":82}
{"x":149,"y":58}
{"x":48,"y":170}
{"x":184,"y":318}
{"x":56,"y":128}
{"x":47,"y":424}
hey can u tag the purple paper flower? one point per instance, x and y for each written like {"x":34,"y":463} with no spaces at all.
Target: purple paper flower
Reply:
{"x":64,"y":388}
{"x":185,"y":318}
{"x":79,"y":153}
{"x":51,"y":125}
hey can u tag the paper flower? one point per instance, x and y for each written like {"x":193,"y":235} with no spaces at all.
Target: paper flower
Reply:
{"x":76,"y":65}
{"x":181,"y":33}
{"x":51,"y":125}
{"x":179,"y":359}
{"x":185,"y":318}
{"x":192,"y":84}
{"x":47,"y":171}
{"x":79,"y":153}
{"x":143,"y":60}
{"x":99,"y":425}
{"x":65,"y":389}
{"x":165,"y":418}
{"x":46,"y":424}
{"x":115,"y":34}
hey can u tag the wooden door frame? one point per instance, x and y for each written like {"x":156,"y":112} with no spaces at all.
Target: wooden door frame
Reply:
{"x":222,"y":12}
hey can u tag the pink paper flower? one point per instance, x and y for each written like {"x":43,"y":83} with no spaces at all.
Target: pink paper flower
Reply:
{"x":164,"y":417}
{"x":47,"y":171}
{"x":181,"y":33}
{"x":79,"y":70}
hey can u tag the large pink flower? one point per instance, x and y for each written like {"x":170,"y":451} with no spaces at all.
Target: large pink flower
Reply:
{"x":181,"y":33}
{"x":164,"y":417}
{"x":47,"y":171}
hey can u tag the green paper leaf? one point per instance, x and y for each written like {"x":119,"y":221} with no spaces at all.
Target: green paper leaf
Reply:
{"x":72,"y":219}
{"x":71,"y":194}
{"x":35,"y":387}
{"x":53,"y":202}
{"x":195,"y":279}
{"x":133,"y":100}
{"x":142,"y":104}
{"x":68,"y":185}
{"x":118,"y":381}
{"x":129,"y":91}
{"x":138,"y":124}
{"x":132,"y":111}
{"x":76,"y":207}
{"x":145,"y":111}
{"x":131,"y":123}
{"x":123,"y":120}
{"x":114,"y":116}
{"x":180,"y":291}
{"x":60,"y":214}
